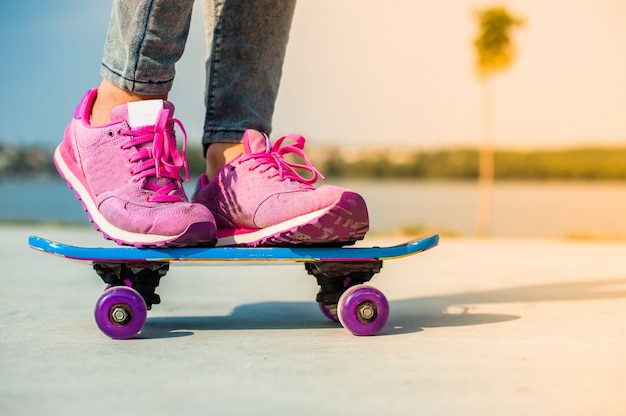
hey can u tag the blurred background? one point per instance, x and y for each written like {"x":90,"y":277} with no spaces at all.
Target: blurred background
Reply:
{"x":390,"y":101}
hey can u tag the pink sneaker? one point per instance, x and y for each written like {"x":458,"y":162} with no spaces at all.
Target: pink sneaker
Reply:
{"x":260,"y":199}
{"x":127,"y":175}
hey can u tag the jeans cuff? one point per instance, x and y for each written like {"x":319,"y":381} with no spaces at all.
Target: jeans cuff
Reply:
{"x":139,"y":87}
{"x":221,"y":136}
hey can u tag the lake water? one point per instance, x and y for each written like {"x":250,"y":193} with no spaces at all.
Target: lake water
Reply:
{"x":524,"y":209}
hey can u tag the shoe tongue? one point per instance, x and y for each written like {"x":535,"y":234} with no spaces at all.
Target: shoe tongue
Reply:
{"x":256,"y":142}
{"x":141,"y":113}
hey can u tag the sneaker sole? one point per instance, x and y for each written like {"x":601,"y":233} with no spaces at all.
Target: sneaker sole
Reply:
{"x":193,"y":235}
{"x":340,"y":224}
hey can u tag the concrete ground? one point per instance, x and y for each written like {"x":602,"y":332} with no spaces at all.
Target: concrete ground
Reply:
{"x":477,"y":327}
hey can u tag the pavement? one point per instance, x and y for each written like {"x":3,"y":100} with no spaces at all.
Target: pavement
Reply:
{"x":477,"y":327}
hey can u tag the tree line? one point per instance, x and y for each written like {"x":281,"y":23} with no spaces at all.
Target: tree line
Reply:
{"x":463,"y":164}
{"x":450,"y":164}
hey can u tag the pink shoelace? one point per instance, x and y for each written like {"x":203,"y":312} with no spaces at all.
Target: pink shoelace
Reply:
{"x":162,"y":160}
{"x":284,"y":169}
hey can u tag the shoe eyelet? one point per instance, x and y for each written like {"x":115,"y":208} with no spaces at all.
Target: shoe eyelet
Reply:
{"x":111,"y":134}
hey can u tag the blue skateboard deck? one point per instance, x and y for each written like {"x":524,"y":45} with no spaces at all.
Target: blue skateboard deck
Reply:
{"x":132,"y":275}
{"x":278,"y":254}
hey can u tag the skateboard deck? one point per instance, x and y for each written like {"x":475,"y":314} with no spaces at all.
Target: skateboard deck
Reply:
{"x":123,"y":254}
{"x":132,"y":275}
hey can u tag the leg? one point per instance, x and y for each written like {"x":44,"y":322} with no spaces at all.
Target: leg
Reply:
{"x":247,"y":49}
{"x":119,"y":152}
{"x":258,"y":196}
{"x":144,"y":41}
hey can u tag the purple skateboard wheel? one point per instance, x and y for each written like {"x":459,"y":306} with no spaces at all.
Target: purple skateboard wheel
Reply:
{"x":120,"y":312}
{"x":363,"y":310}
{"x":330,"y":314}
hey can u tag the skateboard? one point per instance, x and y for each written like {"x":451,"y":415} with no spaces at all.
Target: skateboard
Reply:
{"x":133,"y":274}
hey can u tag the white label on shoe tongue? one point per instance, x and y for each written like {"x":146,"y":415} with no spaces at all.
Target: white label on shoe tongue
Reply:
{"x":144,"y":113}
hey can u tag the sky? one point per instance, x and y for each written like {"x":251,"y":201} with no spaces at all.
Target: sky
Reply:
{"x":356,"y":73}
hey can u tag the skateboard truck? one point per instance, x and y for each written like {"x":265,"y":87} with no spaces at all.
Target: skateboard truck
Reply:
{"x":335,"y":277}
{"x":144,"y":279}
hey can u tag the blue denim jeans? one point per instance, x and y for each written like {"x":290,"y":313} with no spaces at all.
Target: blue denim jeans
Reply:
{"x":247,"y":39}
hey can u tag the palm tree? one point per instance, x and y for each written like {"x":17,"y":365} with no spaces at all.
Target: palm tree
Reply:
{"x":495,"y":52}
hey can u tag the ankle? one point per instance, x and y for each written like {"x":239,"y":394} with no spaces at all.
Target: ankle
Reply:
{"x":109,"y":96}
{"x":219,"y":154}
